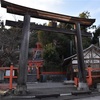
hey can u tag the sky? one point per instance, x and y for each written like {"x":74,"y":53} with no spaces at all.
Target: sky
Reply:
{"x":66,"y":7}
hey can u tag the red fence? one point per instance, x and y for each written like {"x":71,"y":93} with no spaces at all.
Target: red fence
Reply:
{"x":11,"y":76}
{"x":92,"y":77}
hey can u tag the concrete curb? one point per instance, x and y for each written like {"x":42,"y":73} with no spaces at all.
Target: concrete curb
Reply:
{"x":51,"y":95}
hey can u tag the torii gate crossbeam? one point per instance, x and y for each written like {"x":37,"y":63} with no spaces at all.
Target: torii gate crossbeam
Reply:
{"x":34,"y":26}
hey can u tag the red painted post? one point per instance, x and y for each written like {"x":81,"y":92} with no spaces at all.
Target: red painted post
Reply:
{"x":90,"y":75}
{"x":11,"y":77}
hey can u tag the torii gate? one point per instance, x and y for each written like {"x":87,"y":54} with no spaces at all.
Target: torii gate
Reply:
{"x":27,"y":13}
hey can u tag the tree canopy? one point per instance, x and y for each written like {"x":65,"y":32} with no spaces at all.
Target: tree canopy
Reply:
{"x":85,"y":14}
{"x":96,"y":34}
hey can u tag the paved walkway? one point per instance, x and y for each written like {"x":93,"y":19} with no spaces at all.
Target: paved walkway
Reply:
{"x":64,"y":91}
{"x":90,"y":98}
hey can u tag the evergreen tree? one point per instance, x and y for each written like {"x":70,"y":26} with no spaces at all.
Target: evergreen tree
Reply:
{"x":96,"y":34}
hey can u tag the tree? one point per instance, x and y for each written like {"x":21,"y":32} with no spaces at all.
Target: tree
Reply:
{"x":33,"y":39}
{"x":46,"y":37}
{"x":85,"y":14}
{"x":55,"y":42}
{"x":10,"y":40}
{"x":50,"y":53}
{"x":95,"y":39}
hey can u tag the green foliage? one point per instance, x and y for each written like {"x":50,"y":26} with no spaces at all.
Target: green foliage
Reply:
{"x":96,"y":34}
{"x":50,"y":54}
{"x":44,"y":37}
{"x":86,"y":42}
{"x":33,"y":39}
{"x":56,"y":45}
{"x":63,"y":45}
{"x":85,"y":14}
{"x":51,"y":57}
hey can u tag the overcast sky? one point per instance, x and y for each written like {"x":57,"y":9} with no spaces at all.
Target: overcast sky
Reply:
{"x":67,"y":7}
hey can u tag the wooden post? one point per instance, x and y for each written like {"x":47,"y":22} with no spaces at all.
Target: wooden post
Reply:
{"x":23,"y":60}
{"x":11,"y":77}
{"x":81,"y":66}
{"x":38,"y":75}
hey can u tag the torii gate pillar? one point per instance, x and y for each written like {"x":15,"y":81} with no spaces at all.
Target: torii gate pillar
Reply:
{"x":82,"y":85}
{"x":22,"y":75}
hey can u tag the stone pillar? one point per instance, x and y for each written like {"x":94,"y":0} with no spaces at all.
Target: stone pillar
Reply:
{"x":81,"y":66}
{"x":23,"y":59}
